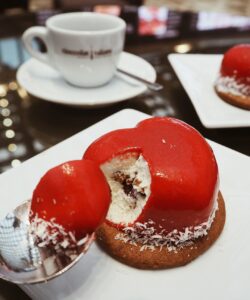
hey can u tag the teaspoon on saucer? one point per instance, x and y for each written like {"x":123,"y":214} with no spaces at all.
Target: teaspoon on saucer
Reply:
{"x":22,"y":261}
{"x":154,"y":86}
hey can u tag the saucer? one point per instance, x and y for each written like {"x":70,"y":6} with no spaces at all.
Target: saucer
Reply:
{"x":44,"y":82}
{"x":197,"y":74}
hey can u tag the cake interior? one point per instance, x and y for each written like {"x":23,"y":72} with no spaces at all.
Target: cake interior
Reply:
{"x":129,"y":179}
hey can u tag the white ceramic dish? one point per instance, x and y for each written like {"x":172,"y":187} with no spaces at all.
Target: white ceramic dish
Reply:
{"x":42,"y":81}
{"x":197,"y":73}
{"x":221,"y":273}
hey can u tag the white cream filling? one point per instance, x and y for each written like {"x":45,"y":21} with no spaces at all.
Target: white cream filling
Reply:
{"x":129,"y":179}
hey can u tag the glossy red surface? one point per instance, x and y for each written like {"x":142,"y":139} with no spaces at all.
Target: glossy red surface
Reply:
{"x":236,"y":62}
{"x":76,"y":194}
{"x":183,"y":169}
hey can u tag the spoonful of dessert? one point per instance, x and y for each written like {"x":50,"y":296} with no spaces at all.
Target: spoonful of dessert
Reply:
{"x":45,"y":236}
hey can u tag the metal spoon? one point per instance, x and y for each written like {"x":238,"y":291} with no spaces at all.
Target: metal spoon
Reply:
{"x":22,"y":261}
{"x":154,"y":86}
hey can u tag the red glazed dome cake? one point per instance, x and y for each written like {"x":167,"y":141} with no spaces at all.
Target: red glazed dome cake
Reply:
{"x":165,"y":209}
{"x":233,"y":83}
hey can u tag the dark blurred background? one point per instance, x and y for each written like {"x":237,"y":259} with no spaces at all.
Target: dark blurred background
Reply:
{"x":145,"y":24}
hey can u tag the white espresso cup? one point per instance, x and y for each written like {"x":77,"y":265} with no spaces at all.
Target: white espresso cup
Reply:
{"x":83,"y":47}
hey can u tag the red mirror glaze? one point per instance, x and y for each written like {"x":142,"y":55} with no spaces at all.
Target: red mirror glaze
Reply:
{"x":183,"y":169}
{"x":236,"y":62}
{"x":76,"y":194}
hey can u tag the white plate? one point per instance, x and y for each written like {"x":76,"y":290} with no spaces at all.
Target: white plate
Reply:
{"x":197,"y":74}
{"x":46,"y":83}
{"x":222,"y":272}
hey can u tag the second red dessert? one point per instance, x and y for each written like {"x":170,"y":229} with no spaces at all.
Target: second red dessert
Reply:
{"x":233,"y":83}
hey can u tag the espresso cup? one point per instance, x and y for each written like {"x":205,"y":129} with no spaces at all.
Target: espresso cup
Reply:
{"x":83,"y":47}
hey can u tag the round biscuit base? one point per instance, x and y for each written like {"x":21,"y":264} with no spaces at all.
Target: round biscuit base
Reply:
{"x":159,"y":259}
{"x":236,"y":100}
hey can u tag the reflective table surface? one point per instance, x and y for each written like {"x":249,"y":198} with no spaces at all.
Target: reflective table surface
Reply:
{"x":29,"y":125}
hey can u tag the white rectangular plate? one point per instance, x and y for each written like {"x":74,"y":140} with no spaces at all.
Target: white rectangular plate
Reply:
{"x":197,"y":73}
{"x":223,"y":272}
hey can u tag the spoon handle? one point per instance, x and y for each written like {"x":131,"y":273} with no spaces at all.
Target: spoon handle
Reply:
{"x":151,"y":85}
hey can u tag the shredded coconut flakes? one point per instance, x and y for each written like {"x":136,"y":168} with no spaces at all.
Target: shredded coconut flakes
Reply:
{"x":145,"y":234}
{"x":51,"y":234}
{"x":227,"y":84}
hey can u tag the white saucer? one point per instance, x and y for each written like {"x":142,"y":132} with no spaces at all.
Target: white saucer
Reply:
{"x":197,"y":73}
{"x":45,"y":83}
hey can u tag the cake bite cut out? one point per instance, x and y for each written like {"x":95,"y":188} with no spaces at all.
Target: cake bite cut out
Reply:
{"x":68,"y":204}
{"x":129,"y":179}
